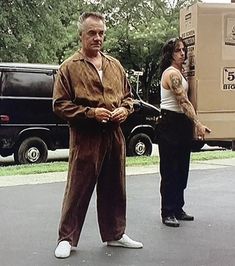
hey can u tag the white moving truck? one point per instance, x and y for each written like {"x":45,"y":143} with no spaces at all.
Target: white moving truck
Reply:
{"x":209,"y":32}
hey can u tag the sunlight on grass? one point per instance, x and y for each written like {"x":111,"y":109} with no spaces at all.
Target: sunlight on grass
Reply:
{"x":130,"y":161}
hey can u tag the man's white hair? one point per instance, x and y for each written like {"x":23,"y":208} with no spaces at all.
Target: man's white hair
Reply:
{"x":86,"y":15}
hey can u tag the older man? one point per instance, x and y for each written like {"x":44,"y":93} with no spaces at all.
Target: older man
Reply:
{"x":92,"y":93}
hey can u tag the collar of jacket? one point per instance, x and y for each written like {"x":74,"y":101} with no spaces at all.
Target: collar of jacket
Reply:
{"x":78,"y":56}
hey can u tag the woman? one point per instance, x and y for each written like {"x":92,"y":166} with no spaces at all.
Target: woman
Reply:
{"x":178,"y":120}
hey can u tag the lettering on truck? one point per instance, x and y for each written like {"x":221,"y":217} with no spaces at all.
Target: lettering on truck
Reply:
{"x":228,"y":78}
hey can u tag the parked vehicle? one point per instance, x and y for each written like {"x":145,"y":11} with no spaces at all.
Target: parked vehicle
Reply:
{"x":139,"y":128}
{"x":29,"y":128}
{"x":211,"y":69}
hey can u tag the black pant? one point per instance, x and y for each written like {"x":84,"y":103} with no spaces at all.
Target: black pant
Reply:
{"x":174,"y":150}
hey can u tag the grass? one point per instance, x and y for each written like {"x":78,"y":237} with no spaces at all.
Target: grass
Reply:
{"x":61,"y":166}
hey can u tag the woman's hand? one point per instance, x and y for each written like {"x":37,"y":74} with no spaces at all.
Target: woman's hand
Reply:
{"x":201,"y":131}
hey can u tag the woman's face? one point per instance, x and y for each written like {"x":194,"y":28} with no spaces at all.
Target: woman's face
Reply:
{"x":179,"y":53}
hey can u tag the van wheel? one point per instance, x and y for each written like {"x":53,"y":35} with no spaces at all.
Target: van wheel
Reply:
{"x":31,"y":150}
{"x":139,"y":145}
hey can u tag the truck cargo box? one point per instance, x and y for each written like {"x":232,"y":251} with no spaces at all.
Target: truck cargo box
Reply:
{"x":209,"y":32}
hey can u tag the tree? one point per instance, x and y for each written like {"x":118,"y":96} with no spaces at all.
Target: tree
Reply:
{"x":45,"y":31}
{"x":35,"y":30}
{"x":137,"y":32}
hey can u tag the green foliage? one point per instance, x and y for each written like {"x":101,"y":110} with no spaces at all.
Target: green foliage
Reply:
{"x":130,"y":161}
{"x":34,"y":168}
{"x":35,"y":30}
{"x":137,"y":31}
{"x":44,"y":31}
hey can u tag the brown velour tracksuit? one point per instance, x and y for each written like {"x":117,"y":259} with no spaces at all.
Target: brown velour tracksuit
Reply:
{"x":97,"y":150}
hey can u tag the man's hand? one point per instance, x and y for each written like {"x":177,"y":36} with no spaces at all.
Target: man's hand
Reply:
{"x":102,"y":115}
{"x":119,"y":115}
{"x":201,"y":131}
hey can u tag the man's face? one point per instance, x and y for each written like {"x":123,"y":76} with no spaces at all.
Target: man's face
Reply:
{"x":92,"y":36}
{"x":179,"y":53}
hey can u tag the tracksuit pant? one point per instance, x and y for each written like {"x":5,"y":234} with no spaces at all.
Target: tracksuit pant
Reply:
{"x":96,"y":158}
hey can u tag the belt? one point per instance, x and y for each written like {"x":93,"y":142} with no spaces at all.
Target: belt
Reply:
{"x":165,"y":112}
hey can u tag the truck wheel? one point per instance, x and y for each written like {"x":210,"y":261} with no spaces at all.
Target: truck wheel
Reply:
{"x":31,"y":150}
{"x":139,"y":145}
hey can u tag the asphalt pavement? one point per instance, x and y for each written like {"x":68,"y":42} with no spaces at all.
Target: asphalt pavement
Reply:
{"x":30,"y":212}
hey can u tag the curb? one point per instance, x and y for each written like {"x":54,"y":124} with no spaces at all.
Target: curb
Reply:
{"x":45,"y":178}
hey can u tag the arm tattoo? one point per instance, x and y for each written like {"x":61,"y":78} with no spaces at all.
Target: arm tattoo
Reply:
{"x":175,"y":81}
{"x":182,"y":99}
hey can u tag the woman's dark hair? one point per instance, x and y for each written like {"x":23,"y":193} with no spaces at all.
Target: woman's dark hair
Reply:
{"x":167,"y":52}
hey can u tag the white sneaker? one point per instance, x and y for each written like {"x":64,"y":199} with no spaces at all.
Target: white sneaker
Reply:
{"x":125,"y":242}
{"x":63,"y":249}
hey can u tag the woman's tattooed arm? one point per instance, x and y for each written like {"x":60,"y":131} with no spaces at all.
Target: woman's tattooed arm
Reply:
{"x":182,"y":98}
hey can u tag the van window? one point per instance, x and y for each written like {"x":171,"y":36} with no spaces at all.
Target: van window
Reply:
{"x":24,"y":84}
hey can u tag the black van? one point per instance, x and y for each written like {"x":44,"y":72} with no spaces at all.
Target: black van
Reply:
{"x":29,"y":128}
